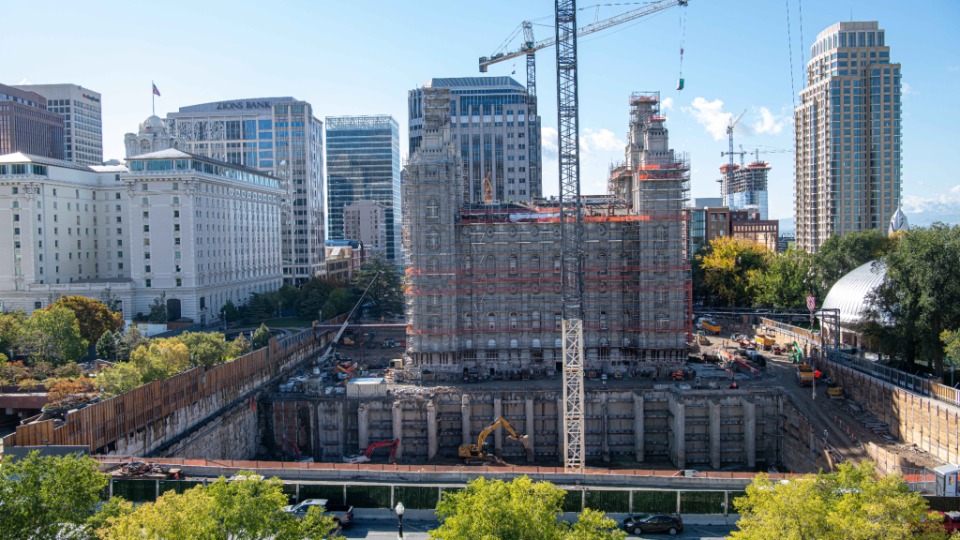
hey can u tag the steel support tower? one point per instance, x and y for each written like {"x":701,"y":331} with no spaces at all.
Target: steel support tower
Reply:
{"x":571,"y":236}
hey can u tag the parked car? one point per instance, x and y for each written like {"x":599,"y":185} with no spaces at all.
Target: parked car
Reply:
{"x":653,"y":523}
{"x":342,"y":514}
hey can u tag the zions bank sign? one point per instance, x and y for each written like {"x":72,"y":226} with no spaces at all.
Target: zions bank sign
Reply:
{"x":231,"y":105}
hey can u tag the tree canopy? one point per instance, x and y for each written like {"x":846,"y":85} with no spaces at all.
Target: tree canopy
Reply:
{"x":261,"y":338}
{"x":11,"y":330}
{"x":728,"y":267}
{"x":840,"y":254}
{"x":94,"y":316}
{"x":244,"y":510}
{"x":160,"y":359}
{"x":41,"y":495}
{"x":53,"y":334}
{"x":853,"y":503}
{"x":786,"y":281}
{"x":520,"y":510}
{"x":385,"y":296}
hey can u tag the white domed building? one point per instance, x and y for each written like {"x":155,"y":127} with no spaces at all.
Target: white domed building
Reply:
{"x":850,"y":296}
{"x":153,"y":136}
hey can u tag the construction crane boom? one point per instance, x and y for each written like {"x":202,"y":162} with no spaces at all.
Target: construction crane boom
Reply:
{"x":530,"y":47}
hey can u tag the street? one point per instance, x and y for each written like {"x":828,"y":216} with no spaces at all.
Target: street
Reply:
{"x":417,"y":530}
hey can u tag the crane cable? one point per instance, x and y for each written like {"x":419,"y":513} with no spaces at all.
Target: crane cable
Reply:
{"x":683,"y":36}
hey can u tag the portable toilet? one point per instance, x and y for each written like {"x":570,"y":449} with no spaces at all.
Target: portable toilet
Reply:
{"x":947,"y":480}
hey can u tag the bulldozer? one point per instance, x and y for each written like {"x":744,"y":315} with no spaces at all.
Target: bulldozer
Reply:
{"x":475,"y":453}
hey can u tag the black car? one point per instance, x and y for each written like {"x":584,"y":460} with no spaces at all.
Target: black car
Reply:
{"x":653,"y":523}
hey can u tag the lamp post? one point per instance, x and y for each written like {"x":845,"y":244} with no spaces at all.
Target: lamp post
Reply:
{"x":399,"y":510}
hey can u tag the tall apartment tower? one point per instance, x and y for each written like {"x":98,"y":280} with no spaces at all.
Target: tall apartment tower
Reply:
{"x":848,"y":159}
{"x":363,"y":164}
{"x":496,"y":127}
{"x":83,"y":120}
{"x":27,"y":126}
{"x":278,"y":136}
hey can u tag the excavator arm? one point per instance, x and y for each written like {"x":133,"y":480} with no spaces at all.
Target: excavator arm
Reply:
{"x":475,"y":452}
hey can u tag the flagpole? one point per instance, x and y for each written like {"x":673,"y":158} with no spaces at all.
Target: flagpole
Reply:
{"x":153,"y":99}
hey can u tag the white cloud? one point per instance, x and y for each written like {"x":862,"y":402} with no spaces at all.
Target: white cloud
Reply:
{"x":599,"y":140}
{"x":666,"y":104}
{"x":710,"y":115}
{"x":548,"y":137}
{"x":907,"y":90}
{"x":768,"y":123}
{"x":942,"y":203}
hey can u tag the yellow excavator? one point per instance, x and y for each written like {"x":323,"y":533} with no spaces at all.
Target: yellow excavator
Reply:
{"x":474,"y":453}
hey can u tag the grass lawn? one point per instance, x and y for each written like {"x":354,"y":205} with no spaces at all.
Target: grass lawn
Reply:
{"x":287,"y":322}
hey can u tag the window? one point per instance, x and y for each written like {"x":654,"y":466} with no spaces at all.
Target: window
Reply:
{"x":535,"y":320}
{"x":179,"y":282}
{"x":603,"y":321}
{"x":147,"y":269}
{"x":557,"y":318}
{"x":468,"y":320}
{"x":514,"y":320}
{"x":491,"y":321}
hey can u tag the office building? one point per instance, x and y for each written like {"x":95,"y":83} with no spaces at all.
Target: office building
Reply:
{"x":483,"y":284}
{"x":190,"y":230}
{"x":82,"y":119}
{"x":278,"y":136}
{"x":27,"y":126}
{"x":708,"y":222}
{"x":363,"y":167}
{"x":365,"y":221}
{"x":495,"y":126}
{"x":848,"y":159}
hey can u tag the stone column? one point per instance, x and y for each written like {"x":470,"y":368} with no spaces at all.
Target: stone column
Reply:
{"x":679,"y":430}
{"x":342,"y":428}
{"x":363,"y":426}
{"x":465,"y":419}
{"x":749,"y":432}
{"x":604,"y":427}
{"x":530,"y":429}
{"x":498,"y":434}
{"x":431,"y":429}
{"x":714,"y":408}
{"x":398,"y":428}
{"x":638,"y":427}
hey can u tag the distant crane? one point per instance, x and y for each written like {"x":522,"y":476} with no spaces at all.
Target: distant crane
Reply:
{"x":733,"y":123}
{"x":530,"y":47}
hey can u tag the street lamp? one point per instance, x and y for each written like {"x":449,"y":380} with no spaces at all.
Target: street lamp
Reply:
{"x":399,"y":510}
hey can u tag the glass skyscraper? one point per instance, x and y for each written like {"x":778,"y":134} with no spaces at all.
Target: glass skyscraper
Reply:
{"x":279,"y":136}
{"x":363,"y":164}
{"x":495,"y":124}
{"x":848,"y":160}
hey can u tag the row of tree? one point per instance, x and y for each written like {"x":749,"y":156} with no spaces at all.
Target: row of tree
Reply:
{"x":42,"y":498}
{"x":914,"y":314}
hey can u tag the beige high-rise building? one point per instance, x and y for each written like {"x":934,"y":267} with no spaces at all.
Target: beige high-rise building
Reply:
{"x":366,"y":221}
{"x":848,"y":160}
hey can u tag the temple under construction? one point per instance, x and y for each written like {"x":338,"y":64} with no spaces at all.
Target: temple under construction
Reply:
{"x":483,"y":282}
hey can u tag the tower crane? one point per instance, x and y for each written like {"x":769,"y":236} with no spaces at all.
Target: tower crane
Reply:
{"x":733,"y":123}
{"x":530,"y":47}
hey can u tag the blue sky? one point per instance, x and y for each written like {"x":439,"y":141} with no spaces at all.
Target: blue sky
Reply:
{"x":362,"y":56}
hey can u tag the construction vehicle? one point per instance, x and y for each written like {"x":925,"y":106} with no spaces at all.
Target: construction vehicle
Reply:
{"x":702,"y":339}
{"x":796,"y":354}
{"x":835,"y":391}
{"x":365,"y":456}
{"x":804,"y":374}
{"x":475,"y":453}
{"x":763,"y":341}
{"x":710,"y":326}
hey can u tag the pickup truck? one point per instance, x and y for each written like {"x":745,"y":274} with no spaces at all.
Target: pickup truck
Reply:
{"x":342,"y":514}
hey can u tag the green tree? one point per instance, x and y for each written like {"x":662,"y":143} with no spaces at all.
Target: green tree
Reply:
{"x":261,"y":338}
{"x":130,"y":341}
{"x":728,"y":267}
{"x":385,"y":295}
{"x":160,"y":359}
{"x":262,"y":306}
{"x":854,"y":503}
{"x":239,"y":346}
{"x":158,"y":310}
{"x":520,"y":510}
{"x":11,"y":331}
{"x":206,"y":349}
{"x":786,"y":282}
{"x":53,"y":334}
{"x":951,"y":347}
{"x":920,"y":294}
{"x":247,"y":509}
{"x":110,"y":300}
{"x":313,"y":296}
{"x":41,"y":495}
{"x":341,"y":300}
{"x":841,"y":254}
{"x":107,"y":346}
{"x":118,"y":379}
{"x":229,"y":312}
{"x":94,"y":316}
